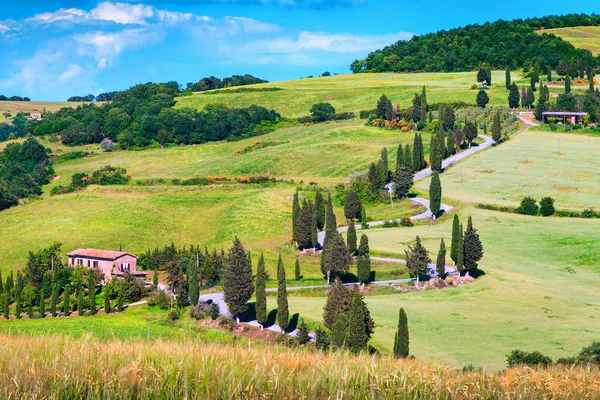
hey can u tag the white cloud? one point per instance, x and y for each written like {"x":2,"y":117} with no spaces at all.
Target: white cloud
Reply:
{"x":173,"y":18}
{"x":102,"y":63}
{"x":104,"y":46}
{"x":119,"y":13}
{"x":72,"y":71}
{"x":248,"y":26}
{"x":4,"y":28}
{"x":64,"y":14}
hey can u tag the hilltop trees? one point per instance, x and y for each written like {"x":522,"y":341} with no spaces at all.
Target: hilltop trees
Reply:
{"x":382,"y":106}
{"x":401,"y":339}
{"x":237,"y":279}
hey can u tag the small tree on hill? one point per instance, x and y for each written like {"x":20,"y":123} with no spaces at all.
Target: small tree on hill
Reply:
{"x":363,"y":218}
{"x":400,"y":156}
{"x":568,"y":84}
{"x":54,"y":298}
{"x":507,"y":79}
{"x":440,"y":263}
{"x":352,"y":206}
{"x":351,"y":238}
{"x":42,"y":304}
{"x":434,"y":154}
{"x":303,"y":335}
{"x":363,"y":268}
{"x":513,"y":96}
{"x":528,"y":206}
{"x":482,"y":76}
{"x":435,"y":194}
{"x":417,"y":259}
{"x":295,"y":216}
{"x":92,"y":291}
{"x":450,"y":150}
{"x":237,"y":279}
{"x":473,"y":249}
{"x":401,"y":340}
{"x":322,"y":111}
{"x":283,"y":314}
{"x":320,"y":209}
{"x":482,"y":98}
{"x":460,"y":255}
{"x":530,"y":98}
{"x":547,"y":206}
{"x":449,"y":118}
{"x":408,"y":161}
{"x":67,"y":301}
{"x":375,"y":183}
{"x":261,"y":295}
{"x":403,"y":180}
{"x":496,"y":128}
{"x":339,"y":332}
{"x":107,"y":305}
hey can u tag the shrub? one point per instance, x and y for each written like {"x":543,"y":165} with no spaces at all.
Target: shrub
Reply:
{"x":547,"y":206}
{"x":342,"y":116}
{"x":406,"y":221}
{"x":590,"y":354}
{"x":535,"y":358}
{"x":322,"y":111}
{"x":227,"y":323}
{"x":365,"y":114}
{"x":110,"y":176}
{"x":307,"y":119}
{"x":174,"y":314}
{"x":528,"y":206}
{"x":589,"y":213}
{"x":160,"y":300}
{"x":214,"y":311}
{"x":391,"y":224}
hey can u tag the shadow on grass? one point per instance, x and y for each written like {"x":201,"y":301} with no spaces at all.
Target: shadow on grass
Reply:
{"x":293,"y":323}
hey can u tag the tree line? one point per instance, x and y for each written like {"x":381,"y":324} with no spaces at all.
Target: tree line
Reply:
{"x":502,"y":43}
{"x":211,"y":83}
{"x":13,"y":98}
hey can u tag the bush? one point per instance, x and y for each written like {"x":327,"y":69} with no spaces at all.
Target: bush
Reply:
{"x":365,"y":114}
{"x":227,"y":323}
{"x":590,"y":354}
{"x":160,"y":300}
{"x":174,"y":314}
{"x":214,"y":311}
{"x":547,"y":206}
{"x":342,"y":116}
{"x":533,"y":359}
{"x":528,"y":206}
{"x":322,"y":111}
{"x":306,"y":119}
{"x":406,"y":221}
{"x":110,"y":176}
{"x":201,"y":311}
{"x":589,"y":213}
{"x":391,"y":224}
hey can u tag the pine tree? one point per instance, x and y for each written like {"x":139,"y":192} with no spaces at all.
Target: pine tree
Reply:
{"x":482,"y":99}
{"x":401,"y":341}
{"x":363,"y":268}
{"x":400,"y":156}
{"x":530,"y":100}
{"x":381,"y":107}
{"x":320,"y":209}
{"x":470,"y":131}
{"x":67,"y":301}
{"x":237,"y":279}
{"x":295,"y":216}
{"x":330,"y":219}
{"x":496,"y":128}
{"x":460,"y":254}
{"x":283,"y":314}
{"x":507,"y":79}
{"x":363,"y":218}
{"x":386,"y":165}
{"x":417,"y":259}
{"x":297,"y":272}
{"x":513,"y":96}
{"x":435,"y":194}
{"x":473,"y":249}
{"x":358,"y":336}
{"x":42,"y":304}
{"x":352,"y":206}
{"x":408,"y":161}
{"x":339,"y":332}
{"x":363,"y":248}
{"x":416,"y":108}
{"x":568,"y":84}
{"x":351,"y":238}
{"x":302,"y":335}
{"x":440,"y":264}
{"x":455,"y":239}
{"x":338,"y":302}
{"x":92,"y":291}
{"x":424,"y":98}
{"x":54,"y":299}
{"x":389,"y":111}
{"x":549,"y":73}
{"x":434,"y":154}
{"x":261,"y":295}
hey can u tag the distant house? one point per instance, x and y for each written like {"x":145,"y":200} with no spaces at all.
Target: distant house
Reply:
{"x":111,"y":263}
{"x":35,"y":115}
{"x":565,"y":116}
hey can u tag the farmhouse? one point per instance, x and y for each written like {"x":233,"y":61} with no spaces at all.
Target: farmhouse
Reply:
{"x":111,"y":263}
{"x":572,"y":117}
{"x":35,"y":115}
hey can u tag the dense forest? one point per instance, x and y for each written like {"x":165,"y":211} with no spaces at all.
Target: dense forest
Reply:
{"x":144,"y":116}
{"x":500,"y":44}
{"x":24,"y":168}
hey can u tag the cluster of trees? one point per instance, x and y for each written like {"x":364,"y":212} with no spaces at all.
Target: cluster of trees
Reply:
{"x":106,"y":175}
{"x":15,"y":130}
{"x":144,"y":116}
{"x":417,"y":112}
{"x":529,"y":206}
{"x":588,"y":356}
{"x":24,"y":168}
{"x":321,"y":112}
{"x":13,"y":98}
{"x":466,"y":249}
{"x":307,"y":220}
{"x":66,"y":288}
{"x":108,"y":96}
{"x":499,"y":44}
{"x":211,"y":83}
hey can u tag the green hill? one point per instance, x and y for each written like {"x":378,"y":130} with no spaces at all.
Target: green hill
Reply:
{"x":582,"y":37}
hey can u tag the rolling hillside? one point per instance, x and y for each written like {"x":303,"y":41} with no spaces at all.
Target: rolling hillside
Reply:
{"x":582,"y":37}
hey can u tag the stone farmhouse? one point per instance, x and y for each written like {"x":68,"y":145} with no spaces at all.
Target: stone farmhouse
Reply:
{"x":111,"y":263}
{"x":35,"y":115}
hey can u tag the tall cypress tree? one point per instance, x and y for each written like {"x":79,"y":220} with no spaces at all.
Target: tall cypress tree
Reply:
{"x":417,"y":259}
{"x":375,"y":182}
{"x":435,"y":194}
{"x":283,"y":314}
{"x":92,"y":291}
{"x":418,"y":155}
{"x":386,"y":165}
{"x":304,"y":226}
{"x":363,"y":218}
{"x":155,"y":277}
{"x":295,"y":216}
{"x":400,"y":156}
{"x":67,"y":301}
{"x":42,"y":304}
{"x":440,"y":263}
{"x":193,"y":279}
{"x":336,"y":256}
{"x":496,"y":128}
{"x":237,"y":279}
{"x":120,"y":300}
{"x":107,"y":306}
{"x":314,"y":231}
{"x":473,"y":249}
{"x":261,"y":295}
{"x":363,"y":248}
{"x":351,"y":238}
{"x":455,"y":239}
{"x":513,"y":96}
{"x":449,"y":144}
{"x":320,"y":209}
{"x":568,"y":84}
{"x":408,"y":161}
{"x":434,"y":154}
{"x":424,"y":98}
{"x":507,"y":79}
{"x":441,"y":137}
{"x":80,"y":301}
{"x":363,"y":268}
{"x":297,"y":271}
{"x":591,"y":79}
{"x":339,"y":332}
{"x":460,"y":258}
{"x":401,"y":340}
{"x":54,"y":298}
{"x":6,"y":305}
{"x":338,"y":302}
{"x":358,"y":335}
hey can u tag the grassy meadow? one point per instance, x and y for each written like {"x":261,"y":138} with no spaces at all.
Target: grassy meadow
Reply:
{"x":15,"y":107}
{"x":583,"y":37}
{"x":529,"y":164}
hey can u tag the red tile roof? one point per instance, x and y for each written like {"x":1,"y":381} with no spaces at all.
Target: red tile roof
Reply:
{"x":94,"y":253}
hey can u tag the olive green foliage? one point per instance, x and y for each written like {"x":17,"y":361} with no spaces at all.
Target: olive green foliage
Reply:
{"x":363,"y":268}
{"x":403,"y":180}
{"x":513,"y":96}
{"x":470,"y":131}
{"x":496,"y":128}
{"x":352,"y":206}
{"x":547,"y":206}
{"x":322,"y":111}
{"x":482,"y":98}
{"x":358,"y":332}
{"x":455,"y":238}
{"x":351,"y":239}
{"x":528,"y":206}
{"x":363,"y":248}
{"x":336,"y":257}
{"x":435,"y":156}
{"x":338,"y":302}
{"x":339,"y":332}
{"x":533,"y":359}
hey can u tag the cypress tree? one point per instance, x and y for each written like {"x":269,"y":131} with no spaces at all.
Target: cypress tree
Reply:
{"x":338,"y":302}
{"x":408,"y":161}
{"x":440,"y":263}
{"x":320,"y":209}
{"x":496,"y":128}
{"x":30,"y":300}
{"x":304,"y":226}
{"x":67,"y":301}
{"x":261,"y":295}
{"x":455,"y":239}
{"x":92,"y":291}
{"x":54,"y":299}
{"x":302,"y":334}
{"x":430,"y":116}
{"x":155,"y":278}
{"x":42,"y":304}
{"x":238,"y":284}
{"x":351,"y":238}
{"x":568,"y":84}
{"x":460,"y":257}
{"x":381,"y":109}
{"x":441,"y":137}
{"x":507,"y":79}
{"x":435,"y":194}
{"x":363,"y":218}
{"x":416,"y":108}
{"x":389,"y":110}
{"x":591,"y":79}
{"x":418,"y":156}
{"x":295,"y":216}
{"x":363,"y":248}
{"x":417,"y":259}
{"x":120,"y":300}
{"x":297,"y":272}
{"x":441,"y":110}
{"x":339,"y":332}
{"x":375,"y":183}
{"x":5,"y":305}
{"x":530,"y":98}
{"x":434,"y":154}
{"x":18,"y":304}
{"x":449,"y":144}
{"x":1,"y":283}
{"x":513,"y":96}
{"x":401,"y":341}
{"x":363,"y":268}
{"x":283,"y":314}
{"x":402,"y":180}
{"x":314,"y":231}
{"x":386,"y":165}
{"x":549,"y":72}
{"x":449,"y":118}
{"x":358,"y":336}
{"x":352,"y":206}
{"x":473,"y":249}
{"x":107,"y":306}
{"x":193,"y":281}
{"x":424,"y":98}
{"x":336,"y":255}
{"x":423,"y":116}
{"x":400,"y":156}
{"x":80,"y":301}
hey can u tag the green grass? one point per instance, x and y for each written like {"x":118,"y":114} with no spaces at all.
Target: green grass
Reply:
{"x":583,"y":37}
{"x":539,"y":292}
{"x":529,"y":165}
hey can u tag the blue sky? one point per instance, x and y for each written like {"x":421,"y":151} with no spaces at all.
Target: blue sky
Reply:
{"x":55,"y":49}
